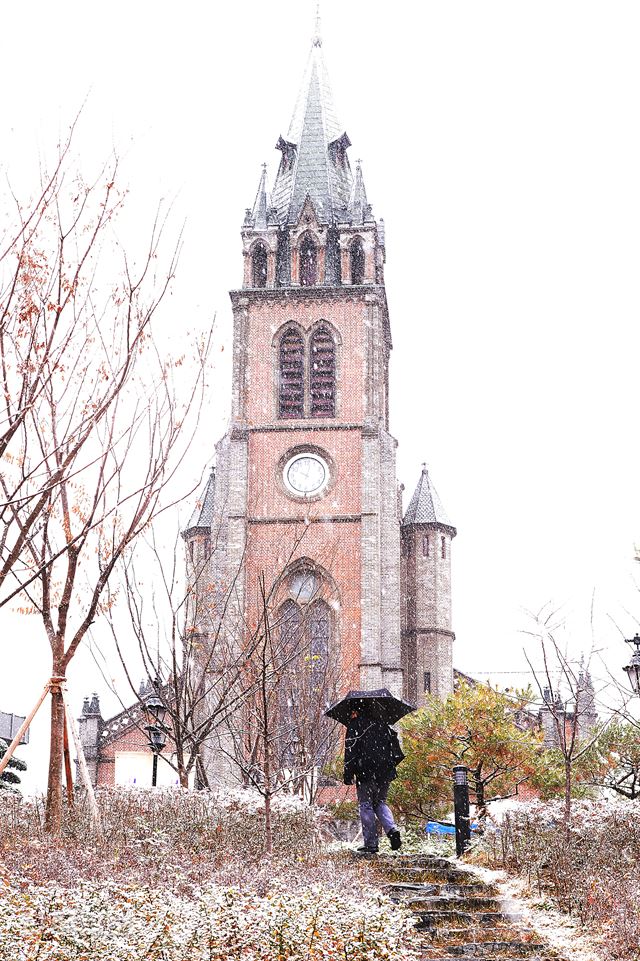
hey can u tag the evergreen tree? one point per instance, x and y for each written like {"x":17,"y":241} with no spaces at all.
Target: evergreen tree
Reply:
{"x":482,"y":728}
{"x":9,"y":779}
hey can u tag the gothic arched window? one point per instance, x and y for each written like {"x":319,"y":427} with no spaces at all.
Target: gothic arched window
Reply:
{"x":319,"y":637}
{"x":322,"y":373}
{"x":290,"y":622}
{"x":308,"y":262}
{"x":356,"y":252}
{"x":259,"y":266}
{"x":291,"y":374}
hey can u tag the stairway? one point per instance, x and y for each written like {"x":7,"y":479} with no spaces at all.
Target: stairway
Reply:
{"x":457,"y":914}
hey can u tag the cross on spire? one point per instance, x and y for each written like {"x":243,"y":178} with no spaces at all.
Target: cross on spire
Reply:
{"x":317,"y":36}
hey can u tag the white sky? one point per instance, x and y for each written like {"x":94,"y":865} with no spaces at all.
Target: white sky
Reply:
{"x":500,"y":142}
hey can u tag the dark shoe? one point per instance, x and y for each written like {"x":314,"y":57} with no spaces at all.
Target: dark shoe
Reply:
{"x":365,"y":850}
{"x":395,"y":840}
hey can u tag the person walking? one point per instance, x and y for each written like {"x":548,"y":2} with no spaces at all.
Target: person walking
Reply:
{"x":371,"y":753}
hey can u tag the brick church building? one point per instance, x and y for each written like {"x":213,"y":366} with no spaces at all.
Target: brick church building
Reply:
{"x":304,"y":490}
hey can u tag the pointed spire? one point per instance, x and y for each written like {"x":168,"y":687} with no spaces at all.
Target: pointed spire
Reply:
{"x":261,"y":204}
{"x":314,"y":160}
{"x":94,"y":706}
{"x":359,"y":210}
{"x":426,"y":507}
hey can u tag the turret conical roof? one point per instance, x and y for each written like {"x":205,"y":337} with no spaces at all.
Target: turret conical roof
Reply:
{"x":425,"y":506}
{"x":202,"y":517}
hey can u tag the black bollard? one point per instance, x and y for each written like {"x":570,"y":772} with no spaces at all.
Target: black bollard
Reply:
{"x":461,"y":809}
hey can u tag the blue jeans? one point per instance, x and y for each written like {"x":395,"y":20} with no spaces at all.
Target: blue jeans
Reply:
{"x":372,"y":798}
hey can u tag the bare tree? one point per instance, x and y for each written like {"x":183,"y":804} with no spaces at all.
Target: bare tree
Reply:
{"x":283,"y":739}
{"x":183,"y":640}
{"x":567,"y":702}
{"x":190,"y":636}
{"x":96,"y":422}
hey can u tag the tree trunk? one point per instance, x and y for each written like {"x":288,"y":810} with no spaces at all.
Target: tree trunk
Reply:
{"x":68,"y":777}
{"x":202,"y":781}
{"x":481,"y":805}
{"x":268,"y":830}
{"x":567,"y":793}
{"x":53,"y":818}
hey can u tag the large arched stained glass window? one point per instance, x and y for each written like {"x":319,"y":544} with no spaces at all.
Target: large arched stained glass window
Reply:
{"x":322,"y":373}
{"x":291,"y":374}
{"x":306,"y":683}
{"x":290,"y":622}
{"x":319,"y":637}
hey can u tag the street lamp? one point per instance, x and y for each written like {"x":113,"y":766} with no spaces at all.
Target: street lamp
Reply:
{"x":156,"y":730}
{"x":633,"y":667}
{"x":461,"y":808}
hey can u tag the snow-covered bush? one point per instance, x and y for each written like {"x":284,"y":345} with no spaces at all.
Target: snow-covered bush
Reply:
{"x":156,"y":834}
{"x":591,"y":869}
{"x":91,"y":922}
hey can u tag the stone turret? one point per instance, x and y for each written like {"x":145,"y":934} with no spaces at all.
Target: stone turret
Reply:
{"x":90,"y":725}
{"x":427,"y":637}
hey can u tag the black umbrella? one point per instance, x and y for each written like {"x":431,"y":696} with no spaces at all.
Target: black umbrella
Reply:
{"x":379,"y":705}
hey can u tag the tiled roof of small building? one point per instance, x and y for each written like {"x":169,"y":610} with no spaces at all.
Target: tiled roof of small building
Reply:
{"x":425,"y":506}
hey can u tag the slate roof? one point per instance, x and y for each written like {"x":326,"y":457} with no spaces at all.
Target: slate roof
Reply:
{"x":425,"y":506}
{"x":9,"y":727}
{"x":314,"y":162}
{"x":202,"y":517}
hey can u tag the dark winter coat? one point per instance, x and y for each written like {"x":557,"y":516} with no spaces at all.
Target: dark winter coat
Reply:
{"x":371,"y":751}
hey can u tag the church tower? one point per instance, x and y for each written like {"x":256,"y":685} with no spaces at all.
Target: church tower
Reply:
{"x":304,"y":491}
{"x":305,"y":482}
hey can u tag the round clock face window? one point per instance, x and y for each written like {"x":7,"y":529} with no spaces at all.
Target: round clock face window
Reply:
{"x":306,"y":474}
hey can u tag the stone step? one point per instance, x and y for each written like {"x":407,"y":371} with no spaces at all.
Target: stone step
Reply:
{"x":453,"y":903}
{"x":436,"y":954}
{"x":451,"y":943}
{"x":423,"y":861}
{"x":425,"y":875}
{"x":462,"y":920}
{"x":428,"y":956}
{"x":457,"y":915}
{"x":442,"y":890}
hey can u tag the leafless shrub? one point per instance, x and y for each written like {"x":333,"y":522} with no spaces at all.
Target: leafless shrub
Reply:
{"x":591,"y":871}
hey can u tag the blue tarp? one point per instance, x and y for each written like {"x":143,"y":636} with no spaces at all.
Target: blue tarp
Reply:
{"x":434,"y":827}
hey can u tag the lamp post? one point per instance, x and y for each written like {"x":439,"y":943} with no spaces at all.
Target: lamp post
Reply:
{"x":156,"y":730}
{"x":633,"y":667}
{"x":461,"y":808}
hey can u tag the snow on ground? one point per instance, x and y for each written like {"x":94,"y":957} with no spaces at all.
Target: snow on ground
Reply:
{"x":561,"y":932}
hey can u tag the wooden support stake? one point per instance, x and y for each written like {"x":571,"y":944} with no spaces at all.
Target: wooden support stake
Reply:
{"x":82,"y":762}
{"x":67,"y":763}
{"x":23,"y":727}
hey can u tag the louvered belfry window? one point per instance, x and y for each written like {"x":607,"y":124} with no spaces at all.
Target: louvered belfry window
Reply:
{"x":357,"y":262}
{"x":322,"y":373}
{"x":291,"y":396}
{"x":308,"y":263}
